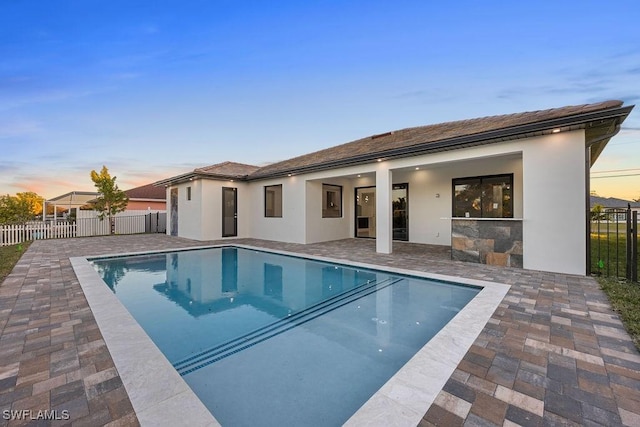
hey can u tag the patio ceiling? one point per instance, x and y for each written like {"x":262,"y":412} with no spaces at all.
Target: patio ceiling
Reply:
{"x":73,"y":199}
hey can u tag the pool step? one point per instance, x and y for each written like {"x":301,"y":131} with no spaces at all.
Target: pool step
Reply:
{"x":209,"y":356}
{"x":188,"y":360}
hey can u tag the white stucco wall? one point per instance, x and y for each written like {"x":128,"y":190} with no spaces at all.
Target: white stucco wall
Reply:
{"x":319,"y":229}
{"x":189,"y":211}
{"x":291,"y":227}
{"x":548,"y":192}
{"x":554,"y":229}
{"x":201,"y":217}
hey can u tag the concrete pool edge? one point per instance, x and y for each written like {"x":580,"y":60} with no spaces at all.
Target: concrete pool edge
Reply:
{"x":157,"y":392}
{"x":155,"y":388}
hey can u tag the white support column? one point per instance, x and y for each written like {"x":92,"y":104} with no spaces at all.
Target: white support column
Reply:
{"x":384,"y":224}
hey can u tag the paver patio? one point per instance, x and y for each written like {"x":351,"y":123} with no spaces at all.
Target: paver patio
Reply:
{"x":553,"y":353}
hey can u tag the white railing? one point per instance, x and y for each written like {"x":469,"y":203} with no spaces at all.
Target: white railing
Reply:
{"x":18,"y":233}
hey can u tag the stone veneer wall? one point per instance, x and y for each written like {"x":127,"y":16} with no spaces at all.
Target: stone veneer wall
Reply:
{"x":494,"y":242}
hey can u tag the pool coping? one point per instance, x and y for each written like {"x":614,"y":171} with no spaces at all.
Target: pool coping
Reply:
{"x":160,"y":396}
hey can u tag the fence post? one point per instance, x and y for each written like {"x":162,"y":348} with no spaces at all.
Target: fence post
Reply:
{"x":634,"y":248}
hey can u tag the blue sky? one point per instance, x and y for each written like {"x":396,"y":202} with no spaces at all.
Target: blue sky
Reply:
{"x":153,"y":89}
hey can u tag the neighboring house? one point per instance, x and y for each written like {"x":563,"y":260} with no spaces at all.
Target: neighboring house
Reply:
{"x":613,"y":203}
{"x":506,"y":190}
{"x":147,"y":197}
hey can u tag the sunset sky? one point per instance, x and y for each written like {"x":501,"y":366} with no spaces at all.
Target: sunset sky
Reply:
{"x":154,"y":89}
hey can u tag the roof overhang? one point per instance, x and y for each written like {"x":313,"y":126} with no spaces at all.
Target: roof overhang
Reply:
{"x":600,"y":127}
{"x":192,"y":176}
{"x":73,"y":199}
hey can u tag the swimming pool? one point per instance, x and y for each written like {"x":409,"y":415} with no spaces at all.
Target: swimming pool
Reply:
{"x":296,"y":340}
{"x":424,"y":375}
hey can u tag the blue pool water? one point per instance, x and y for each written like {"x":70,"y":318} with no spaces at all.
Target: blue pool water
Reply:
{"x":267,"y":339}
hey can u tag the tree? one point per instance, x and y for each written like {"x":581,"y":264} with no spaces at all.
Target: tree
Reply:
{"x":597,"y":212}
{"x":32,"y":200}
{"x":111,"y":199}
{"x":20,"y":208}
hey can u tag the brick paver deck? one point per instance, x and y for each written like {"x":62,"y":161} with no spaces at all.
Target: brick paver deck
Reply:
{"x":553,"y":353}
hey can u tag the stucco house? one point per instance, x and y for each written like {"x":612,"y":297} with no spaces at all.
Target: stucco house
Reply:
{"x":507,"y":190}
{"x":614,"y":203}
{"x":146,"y":197}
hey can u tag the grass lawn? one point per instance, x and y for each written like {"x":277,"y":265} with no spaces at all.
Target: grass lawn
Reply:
{"x":624,"y":297}
{"x":9,"y":256}
{"x":608,"y":254}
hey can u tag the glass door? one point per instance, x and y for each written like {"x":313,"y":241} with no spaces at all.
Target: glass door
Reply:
{"x":365,"y":212}
{"x":229,"y":212}
{"x":400,"y":202}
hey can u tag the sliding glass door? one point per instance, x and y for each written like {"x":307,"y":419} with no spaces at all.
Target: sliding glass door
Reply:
{"x":366,"y":211}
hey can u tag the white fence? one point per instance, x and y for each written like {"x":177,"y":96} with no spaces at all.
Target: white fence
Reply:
{"x":128,"y":222}
{"x":14,"y":234}
{"x":87,"y":224}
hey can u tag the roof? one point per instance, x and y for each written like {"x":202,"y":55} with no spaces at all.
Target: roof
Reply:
{"x":224,"y":170}
{"x":420,"y":139}
{"x":612,"y":202}
{"x":147,"y":192}
{"x":228,"y":170}
{"x":73,"y":198}
{"x":601,"y":121}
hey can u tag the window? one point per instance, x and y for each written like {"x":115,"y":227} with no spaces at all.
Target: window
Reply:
{"x":273,"y":201}
{"x":331,"y":201}
{"x":483,"y":197}
{"x":188,"y":193}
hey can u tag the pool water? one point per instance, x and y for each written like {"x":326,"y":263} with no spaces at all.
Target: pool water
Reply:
{"x":268,"y":339}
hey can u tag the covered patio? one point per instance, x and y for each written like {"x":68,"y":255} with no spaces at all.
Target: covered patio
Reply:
{"x":72,"y":200}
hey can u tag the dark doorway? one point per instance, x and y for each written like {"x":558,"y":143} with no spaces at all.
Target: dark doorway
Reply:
{"x":400,"y":203}
{"x":229,"y":212}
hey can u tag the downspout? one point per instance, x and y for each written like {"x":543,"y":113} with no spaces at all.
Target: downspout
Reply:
{"x":587,"y":199}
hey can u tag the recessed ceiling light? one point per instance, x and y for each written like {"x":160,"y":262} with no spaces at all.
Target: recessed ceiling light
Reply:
{"x":379,"y":160}
{"x":556,"y":130}
{"x":417,"y":169}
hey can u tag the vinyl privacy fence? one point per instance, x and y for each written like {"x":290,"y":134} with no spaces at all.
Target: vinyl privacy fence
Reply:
{"x":87,"y":224}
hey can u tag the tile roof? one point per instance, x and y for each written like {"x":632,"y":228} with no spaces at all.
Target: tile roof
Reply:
{"x":228,"y":170}
{"x":422,"y":139}
{"x":422,"y":135}
{"x":148,"y":191}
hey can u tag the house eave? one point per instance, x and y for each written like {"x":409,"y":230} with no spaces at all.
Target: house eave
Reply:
{"x":574,"y":122}
{"x":192,"y":176}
